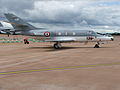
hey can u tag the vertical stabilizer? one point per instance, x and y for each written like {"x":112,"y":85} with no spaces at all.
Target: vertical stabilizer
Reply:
{"x":18,"y":23}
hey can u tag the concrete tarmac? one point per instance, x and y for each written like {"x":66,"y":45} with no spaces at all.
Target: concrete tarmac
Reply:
{"x":77,"y":66}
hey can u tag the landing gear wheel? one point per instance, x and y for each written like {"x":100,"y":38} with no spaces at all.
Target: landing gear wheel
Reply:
{"x":96,"y":46}
{"x":26,"y":41}
{"x":56,"y":46}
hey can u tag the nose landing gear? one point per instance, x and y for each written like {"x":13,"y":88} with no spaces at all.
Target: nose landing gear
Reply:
{"x":97,"y":45}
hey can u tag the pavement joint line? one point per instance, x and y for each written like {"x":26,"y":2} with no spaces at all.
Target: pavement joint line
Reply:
{"x":59,"y":68}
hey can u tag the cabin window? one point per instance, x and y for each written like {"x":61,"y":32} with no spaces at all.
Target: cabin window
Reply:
{"x":66,"y":33}
{"x":74,"y":33}
{"x":59,"y":33}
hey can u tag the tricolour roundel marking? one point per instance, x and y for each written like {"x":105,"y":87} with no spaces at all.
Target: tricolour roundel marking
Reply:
{"x":47,"y":34}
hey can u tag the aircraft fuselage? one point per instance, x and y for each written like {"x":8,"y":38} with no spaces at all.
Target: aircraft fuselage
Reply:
{"x":68,"y":35}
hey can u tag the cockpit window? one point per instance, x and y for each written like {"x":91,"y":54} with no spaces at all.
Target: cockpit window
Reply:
{"x":104,"y":34}
{"x":100,"y":33}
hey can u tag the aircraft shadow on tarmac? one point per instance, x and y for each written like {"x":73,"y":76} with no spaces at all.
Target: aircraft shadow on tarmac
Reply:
{"x":50,"y":48}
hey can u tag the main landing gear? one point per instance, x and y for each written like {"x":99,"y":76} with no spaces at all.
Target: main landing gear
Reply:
{"x":97,"y":45}
{"x":57,"y":45}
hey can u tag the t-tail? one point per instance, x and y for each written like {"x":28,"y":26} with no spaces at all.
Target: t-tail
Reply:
{"x":18,"y":23}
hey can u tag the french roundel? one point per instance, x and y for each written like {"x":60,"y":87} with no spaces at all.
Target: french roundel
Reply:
{"x":47,"y":34}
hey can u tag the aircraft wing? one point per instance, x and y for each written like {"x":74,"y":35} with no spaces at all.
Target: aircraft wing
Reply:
{"x":61,"y":39}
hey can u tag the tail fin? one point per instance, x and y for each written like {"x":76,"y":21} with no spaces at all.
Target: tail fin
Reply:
{"x":18,"y":23}
{"x":1,"y":24}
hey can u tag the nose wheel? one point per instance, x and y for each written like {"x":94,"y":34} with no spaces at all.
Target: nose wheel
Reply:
{"x":97,"y":45}
{"x":57,"y":45}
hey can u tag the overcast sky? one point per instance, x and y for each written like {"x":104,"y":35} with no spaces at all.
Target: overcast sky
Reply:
{"x":66,"y":13}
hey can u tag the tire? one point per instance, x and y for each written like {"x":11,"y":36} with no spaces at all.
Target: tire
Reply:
{"x":27,"y":42}
{"x":56,"y":46}
{"x":96,"y":46}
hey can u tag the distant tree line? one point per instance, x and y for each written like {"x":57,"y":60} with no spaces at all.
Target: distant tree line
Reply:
{"x":115,"y":34}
